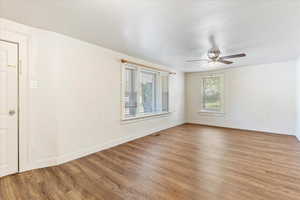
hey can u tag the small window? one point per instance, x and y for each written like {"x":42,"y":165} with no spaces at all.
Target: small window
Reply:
{"x":145,"y":92}
{"x":212,"y":94}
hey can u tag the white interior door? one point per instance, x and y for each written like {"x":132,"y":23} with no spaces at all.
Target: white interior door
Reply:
{"x":8,"y":108}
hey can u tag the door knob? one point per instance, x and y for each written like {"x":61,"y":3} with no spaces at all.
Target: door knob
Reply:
{"x":12,"y":112}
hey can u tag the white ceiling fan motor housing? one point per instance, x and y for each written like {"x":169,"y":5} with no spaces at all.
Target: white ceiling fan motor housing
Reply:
{"x":213,"y":53}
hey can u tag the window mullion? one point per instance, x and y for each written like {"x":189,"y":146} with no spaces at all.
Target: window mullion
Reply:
{"x":159,"y":93}
{"x":203,"y":94}
{"x":169,"y":99}
{"x":123,"y":85}
{"x":139,"y":91}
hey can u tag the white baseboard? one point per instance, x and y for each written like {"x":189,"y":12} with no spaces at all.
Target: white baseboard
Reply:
{"x":243,"y":128}
{"x":298,"y":137}
{"x":53,"y":161}
{"x":84,"y":152}
{"x":47,"y":162}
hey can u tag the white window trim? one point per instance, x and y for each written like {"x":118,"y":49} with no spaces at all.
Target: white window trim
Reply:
{"x":138,"y":88}
{"x":211,"y":112}
{"x":141,"y":116}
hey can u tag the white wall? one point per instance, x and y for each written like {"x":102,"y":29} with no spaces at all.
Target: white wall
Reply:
{"x":257,"y":97}
{"x":75,"y":110}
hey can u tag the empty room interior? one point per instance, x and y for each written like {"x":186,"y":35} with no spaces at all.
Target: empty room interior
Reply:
{"x":149,"y":100}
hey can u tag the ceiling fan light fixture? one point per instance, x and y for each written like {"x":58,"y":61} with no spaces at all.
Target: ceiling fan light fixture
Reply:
{"x":213,"y":54}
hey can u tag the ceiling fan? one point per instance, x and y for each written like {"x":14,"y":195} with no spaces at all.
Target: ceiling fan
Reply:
{"x":214,"y":56}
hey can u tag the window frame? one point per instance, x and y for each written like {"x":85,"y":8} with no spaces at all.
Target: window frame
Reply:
{"x":222,"y":97}
{"x":158,"y":91}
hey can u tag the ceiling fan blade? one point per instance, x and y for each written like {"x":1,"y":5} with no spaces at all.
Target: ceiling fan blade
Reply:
{"x":233,"y":56}
{"x":198,"y":60}
{"x":224,"y":61}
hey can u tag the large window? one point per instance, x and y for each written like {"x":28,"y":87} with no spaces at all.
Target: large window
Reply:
{"x":145,"y":92}
{"x":213,"y":94}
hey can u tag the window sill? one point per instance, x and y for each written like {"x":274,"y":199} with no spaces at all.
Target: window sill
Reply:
{"x":213,"y":113}
{"x":145,"y":116}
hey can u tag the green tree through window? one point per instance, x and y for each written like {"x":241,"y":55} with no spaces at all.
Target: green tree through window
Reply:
{"x":212,"y":87}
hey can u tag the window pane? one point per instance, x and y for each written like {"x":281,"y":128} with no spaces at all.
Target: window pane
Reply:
{"x":148,"y":87}
{"x":130,"y":93}
{"x":212,"y":94}
{"x":165,"y":93}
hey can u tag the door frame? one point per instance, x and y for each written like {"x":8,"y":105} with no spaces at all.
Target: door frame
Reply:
{"x":22,"y":42}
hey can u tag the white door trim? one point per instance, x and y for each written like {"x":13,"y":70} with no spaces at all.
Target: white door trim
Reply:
{"x":22,"y":42}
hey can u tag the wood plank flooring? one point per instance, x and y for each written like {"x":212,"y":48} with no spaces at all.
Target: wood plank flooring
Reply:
{"x":186,"y":162}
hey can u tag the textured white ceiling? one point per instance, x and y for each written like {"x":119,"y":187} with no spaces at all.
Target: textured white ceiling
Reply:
{"x":171,"y":31}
